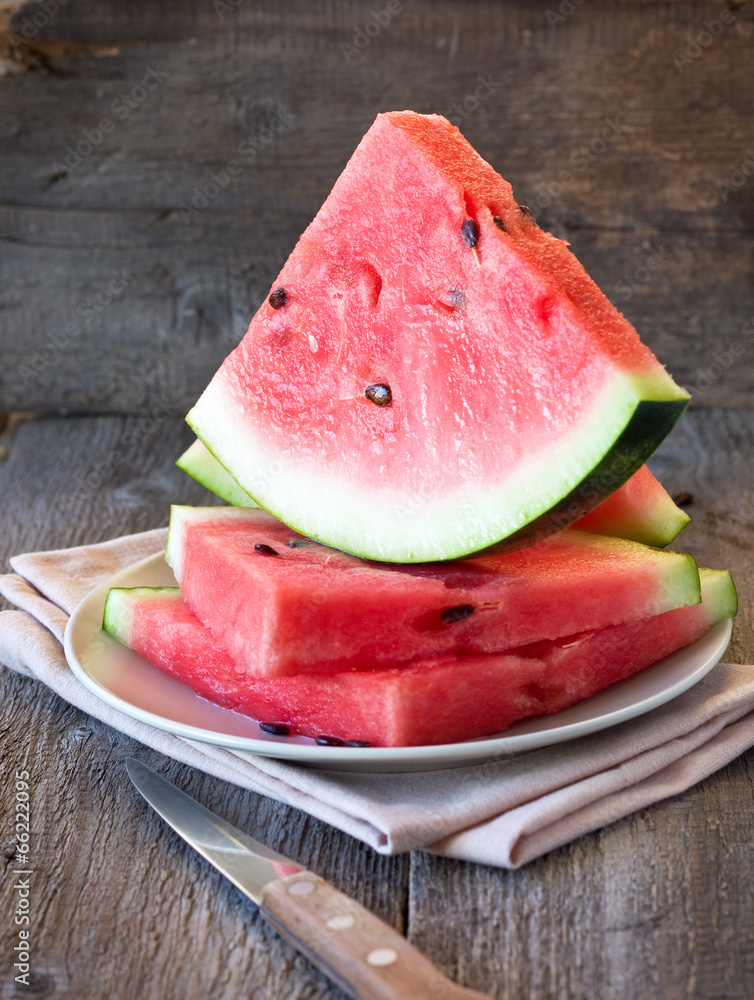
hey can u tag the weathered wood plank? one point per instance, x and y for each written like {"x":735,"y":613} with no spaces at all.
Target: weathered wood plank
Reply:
{"x":656,"y":907}
{"x":275,"y":60}
{"x":141,"y":317}
{"x":659,"y":210}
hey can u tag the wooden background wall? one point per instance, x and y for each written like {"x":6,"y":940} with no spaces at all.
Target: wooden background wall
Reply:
{"x":159,"y":160}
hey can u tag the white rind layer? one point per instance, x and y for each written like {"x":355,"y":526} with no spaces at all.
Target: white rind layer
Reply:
{"x":118,"y":615}
{"x":394,"y":528}
{"x":180,"y":516}
{"x":718,"y":593}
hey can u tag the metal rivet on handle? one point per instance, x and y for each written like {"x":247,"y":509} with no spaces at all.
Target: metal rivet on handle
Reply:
{"x":340,"y":922}
{"x":301,"y":888}
{"x":382,"y":956}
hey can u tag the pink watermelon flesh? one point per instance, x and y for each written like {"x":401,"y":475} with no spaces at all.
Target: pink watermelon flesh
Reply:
{"x":641,"y":509}
{"x":516,"y":388}
{"x":282,"y":604}
{"x":444,"y":700}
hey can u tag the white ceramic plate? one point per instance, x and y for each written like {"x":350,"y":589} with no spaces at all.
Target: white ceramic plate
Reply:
{"x":122,"y":679}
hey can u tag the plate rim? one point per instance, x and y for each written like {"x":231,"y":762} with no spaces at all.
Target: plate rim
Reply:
{"x":370,"y":758}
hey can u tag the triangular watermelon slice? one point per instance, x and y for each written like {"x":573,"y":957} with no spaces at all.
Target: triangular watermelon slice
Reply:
{"x":640,"y":509}
{"x":432,"y":372}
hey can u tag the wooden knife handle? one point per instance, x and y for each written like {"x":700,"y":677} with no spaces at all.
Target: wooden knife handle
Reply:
{"x":352,"y":946}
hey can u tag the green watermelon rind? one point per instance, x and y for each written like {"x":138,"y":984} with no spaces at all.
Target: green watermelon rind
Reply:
{"x":659,"y":522}
{"x":650,"y":423}
{"x":116,"y":619}
{"x":629,"y":420}
{"x":199,"y":463}
{"x":719,"y":593}
{"x":117,"y":614}
{"x":666,"y":525}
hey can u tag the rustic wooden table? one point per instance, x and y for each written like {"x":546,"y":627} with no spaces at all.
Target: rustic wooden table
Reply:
{"x":130,"y":260}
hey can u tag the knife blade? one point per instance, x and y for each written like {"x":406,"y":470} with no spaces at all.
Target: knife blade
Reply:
{"x":353,"y":947}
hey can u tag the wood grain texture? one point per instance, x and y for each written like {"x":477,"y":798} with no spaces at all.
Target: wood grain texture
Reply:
{"x":655,"y":907}
{"x":660,"y":211}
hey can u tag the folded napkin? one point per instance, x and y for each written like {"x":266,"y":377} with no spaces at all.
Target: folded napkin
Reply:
{"x":505,"y":812}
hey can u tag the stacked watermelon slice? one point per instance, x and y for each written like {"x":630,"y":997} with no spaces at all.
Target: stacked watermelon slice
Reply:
{"x":433,"y":440}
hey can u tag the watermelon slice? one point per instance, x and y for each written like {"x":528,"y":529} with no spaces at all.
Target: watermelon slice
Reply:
{"x":641,"y":509}
{"x":282,"y":604}
{"x":432,"y":372}
{"x":441,"y":701}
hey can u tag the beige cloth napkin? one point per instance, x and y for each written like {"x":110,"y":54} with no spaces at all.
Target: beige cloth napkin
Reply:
{"x":502,"y":813}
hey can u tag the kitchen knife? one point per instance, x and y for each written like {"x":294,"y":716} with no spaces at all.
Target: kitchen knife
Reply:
{"x":363,"y":955}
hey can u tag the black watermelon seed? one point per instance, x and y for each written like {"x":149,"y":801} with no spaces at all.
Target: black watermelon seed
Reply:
{"x":683,"y":499}
{"x":278,"y":298}
{"x":470,"y":233}
{"x":328,"y":741}
{"x":457,"y":614}
{"x":275,"y":728}
{"x":380,"y":394}
{"x":358,"y":743}
{"x":455,"y":298}
{"x":297,"y":543}
{"x":498,"y":222}
{"x":526,"y":212}
{"x":265,"y":550}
